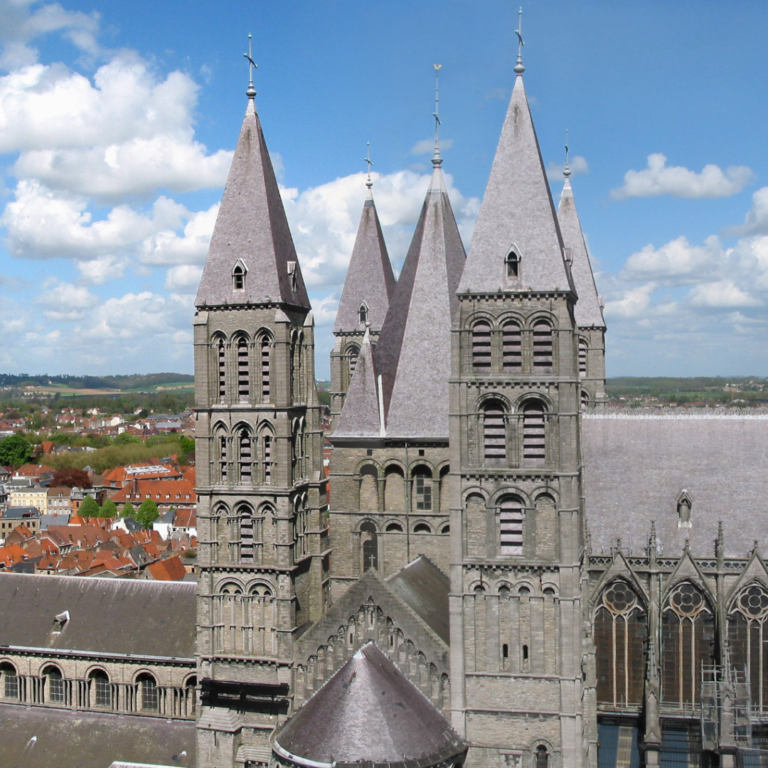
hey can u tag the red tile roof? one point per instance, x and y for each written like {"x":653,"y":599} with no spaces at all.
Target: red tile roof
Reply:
{"x":171,"y":569}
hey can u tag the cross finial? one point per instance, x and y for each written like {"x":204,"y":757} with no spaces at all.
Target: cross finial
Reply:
{"x":368,"y":160}
{"x":567,"y":169}
{"x":519,"y":68}
{"x":251,"y":92}
{"x":437,"y":160}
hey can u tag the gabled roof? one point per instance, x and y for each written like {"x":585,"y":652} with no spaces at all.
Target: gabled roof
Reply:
{"x":587,"y":309}
{"x":368,"y":711}
{"x":413,"y":354}
{"x":517,"y":214}
{"x":252,"y":229}
{"x":369,"y":277}
{"x":360,"y":416}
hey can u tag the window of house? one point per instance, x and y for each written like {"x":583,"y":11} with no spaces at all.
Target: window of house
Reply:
{"x":55,"y":681}
{"x":238,"y":277}
{"x":148,"y":693}
{"x":512,"y":263}
{"x":494,"y":433}
{"x":542,"y":346}
{"x":102,"y":693}
{"x":363,"y":313}
{"x":511,"y":525}
{"x":9,"y":680}
{"x":422,"y":488}
{"x":481,"y":347}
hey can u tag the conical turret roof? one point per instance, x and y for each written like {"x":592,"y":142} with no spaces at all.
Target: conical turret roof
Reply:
{"x":587,"y":310}
{"x":369,"y":278}
{"x":517,"y":214}
{"x":252,"y":233}
{"x":368,"y":712}
{"x":413,"y":354}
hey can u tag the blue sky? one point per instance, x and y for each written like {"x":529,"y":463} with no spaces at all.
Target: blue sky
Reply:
{"x":117,"y":122}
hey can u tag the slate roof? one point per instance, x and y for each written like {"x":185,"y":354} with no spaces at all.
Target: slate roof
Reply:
{"x":252,"y":226}
{"x":368,"y":711}
{"x":636,"y":467}
{"x":369,"y":276}
{"x":360,"y":416}
{"x":587,"y":311}
{"x":413,"y":354}
{"x":517,"y":210}
{"x":68,"y":739}
{"x":120,"y":616}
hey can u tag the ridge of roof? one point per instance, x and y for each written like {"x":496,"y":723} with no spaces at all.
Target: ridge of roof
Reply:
{"x":252,"y":230}
{"x":587,"y":311}
{"x":361,"y":413}
{"x":369,"y":279}
{"x":517,"y":213}
{"x":413,"y":354}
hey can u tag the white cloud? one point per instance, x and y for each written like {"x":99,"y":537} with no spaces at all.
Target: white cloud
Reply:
{"x":22,"y":23}
{"x":427,"y":146}
{"x":99,"y":270}
{"x":65,"y":301}
{"x":677,"y":262}
{"x":578,"y":166}
{"x":660,"y":179}
{"x":722,"y":294}
{"x":183,"y":279}
{"x":756,"y":220}
{"x":167,"y":247}
{"x":632,"y":304}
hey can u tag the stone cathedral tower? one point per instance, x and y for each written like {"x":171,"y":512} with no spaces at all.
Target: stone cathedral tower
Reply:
{"x":262,"y":515}
{"x":517,"y":523}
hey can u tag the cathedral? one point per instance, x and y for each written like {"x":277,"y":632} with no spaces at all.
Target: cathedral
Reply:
{"x":499,"y":570}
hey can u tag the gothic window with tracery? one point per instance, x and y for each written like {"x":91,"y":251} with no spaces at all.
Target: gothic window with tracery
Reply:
{"x":748,"y":639}
{"x":620,"y":632}
{"x":687,"y":643}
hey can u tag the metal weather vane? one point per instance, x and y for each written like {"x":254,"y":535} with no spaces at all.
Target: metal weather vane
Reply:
{"x":251,"y":92}
{"x":368,"y":160}
{"x":519,"y":68}
{"x":437,"y":67}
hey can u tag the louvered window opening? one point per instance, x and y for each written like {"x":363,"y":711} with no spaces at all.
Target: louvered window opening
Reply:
{"x":265,"y":370}
{"x":423,"y":491}
{"x":353,"y":353}
{"x":481,"y":348}
{"x":542,"y":347}
{"x":242,"y":369}
{"x":511,"y":526}
{"x":534,"y":434}
{"x":223,"y":457}
{"x":512,"y":347}
{"x":246,"y":537}
{"x":267,"y":458}
{"x":246,"y":457}
{"x":582,"y":359}
{"x":494,"y":434}
{"x":222,"y":370}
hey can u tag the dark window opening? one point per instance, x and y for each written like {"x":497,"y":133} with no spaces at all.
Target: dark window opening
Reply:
{"x":513,"y":264}
{"x":534,"y":434}
{"x":243,"y":383}
{"x":511,"y":342}
{"x":525,"y":653}
{"x":542,"y":346}
{"x":422,"y":489}
{"x":238,"y":278}
{"x":363,"y":313}
{"x":511,"y":526}
{"x":370,"y":546}
{"x":494,"y":433}
{"x":481,"y":348}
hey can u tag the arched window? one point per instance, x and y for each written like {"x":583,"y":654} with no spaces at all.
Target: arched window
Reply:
{"x":422,"y":528}
{"x":101,"y":691}
{"x":584,"y":399}
{"x":243,"y":377}
{"x":363,"y":313}
{"x":394,"y":489}
{"x":534,"y":434}
{"x":266,"y":455}
{"x":620,"y":631}
{"x":264,"y":369}
{"x":245,"y":444}
{"x":246,"y":533}
{"x":370,"y":541}
{"x":446,"y":528}
{"x":222,"y":370}
{"x":748,"y":638}
{"x":353,"y":353}
{"x":542,"y":346}
{"x":512,"y":263}
{"x":222,"y":441}
{"x":512,"y":354}
{"x":494,"y":433}
{"x":9,"y":681}
{"x":55,"y":683}
{"x":394,"y":528}
{"x":147,"y":692}
{"x":238,"y":277}
{"x":422,"y":489}
{"x":687,"y":636}
{"x":582,"y":358}
{"x":369,"y":492}
{"x":542,"y":757}
{"x":511,"y":525}
{"x":190,"y":694}
{"x":481,"y":347}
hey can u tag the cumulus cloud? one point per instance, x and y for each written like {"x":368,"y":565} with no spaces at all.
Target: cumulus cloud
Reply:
{"x":427,"y":146}
{"x":578,"y":166}
{"x":660,"y":179}
{"x":167,"y":246}
{"x":722,"y":294}
{"x":65,"y":301}
{"x":756,"y":220}
{"x":183,"y":279}
{"x":99,"y":270}
{"x":677,"y":262}
{"x":632,"y":304}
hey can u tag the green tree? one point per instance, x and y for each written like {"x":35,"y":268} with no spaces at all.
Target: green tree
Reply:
{"x":108,"y":509}
{"x":187,"y":444}
{"x":15,"y":451}
{"x":128,"y":510}
{"x":89,"y":507}
{"x":147,"y":513}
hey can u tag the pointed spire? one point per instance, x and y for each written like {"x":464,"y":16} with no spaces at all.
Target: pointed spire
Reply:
{"x":588,"y":310}
{"x":370,"y":281}
{"x":414,"y":350}
{"x":517,"y":213}
{"x":361,"y":414}
{"x":251,"y":232}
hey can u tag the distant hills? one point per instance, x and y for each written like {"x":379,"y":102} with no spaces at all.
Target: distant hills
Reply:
{"x":131,"y":383}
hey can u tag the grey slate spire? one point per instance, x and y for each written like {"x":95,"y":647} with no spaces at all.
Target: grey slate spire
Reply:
{"x":369,"y":280}
{"x":587,"y":310}
{"x":517,"y":214}
{"x":251,"y":233}
{"x":361,"y":415}
{"x":413,"y":355}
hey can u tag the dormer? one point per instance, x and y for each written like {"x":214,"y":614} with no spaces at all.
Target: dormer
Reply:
{"x":684,"y":506}
{"x":239,"y":273}
{"x":512,"y":262}
{"x":60,"y":620}
{"x":362,"y":313}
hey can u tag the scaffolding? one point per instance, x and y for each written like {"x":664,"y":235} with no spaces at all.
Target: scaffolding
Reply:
{"x":726,"y":722}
